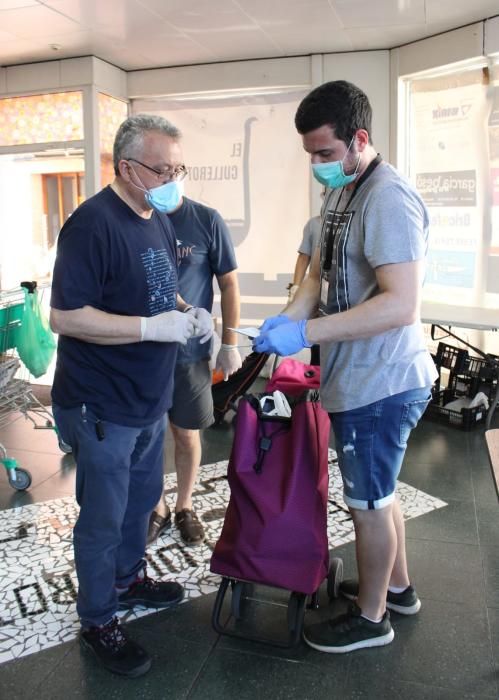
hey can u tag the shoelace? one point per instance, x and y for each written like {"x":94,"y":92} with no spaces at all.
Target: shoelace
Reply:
{"x":147,"y":583}
{"x":111,"y":635}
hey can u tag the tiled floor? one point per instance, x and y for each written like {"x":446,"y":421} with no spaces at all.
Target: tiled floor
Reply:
{"x":450,"y":650}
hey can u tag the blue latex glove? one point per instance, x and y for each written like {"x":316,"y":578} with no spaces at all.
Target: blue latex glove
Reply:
{"x":286,"y":339}
{"x":273,"y":322}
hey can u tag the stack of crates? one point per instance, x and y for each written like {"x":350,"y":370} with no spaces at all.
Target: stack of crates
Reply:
{"x":467,"y":376}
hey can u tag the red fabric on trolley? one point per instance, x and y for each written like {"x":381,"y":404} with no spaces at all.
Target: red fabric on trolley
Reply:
{"x":275,"y":528}
{"x":293,"y":377}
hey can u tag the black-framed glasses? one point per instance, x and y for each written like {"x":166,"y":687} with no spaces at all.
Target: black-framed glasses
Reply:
{"x":167,"y":173}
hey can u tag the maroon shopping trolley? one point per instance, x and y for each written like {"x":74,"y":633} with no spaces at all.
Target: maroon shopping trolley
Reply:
{"x":275,"y":527}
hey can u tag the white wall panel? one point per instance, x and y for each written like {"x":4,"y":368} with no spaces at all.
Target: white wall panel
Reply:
{"x":238,"y":75}
{"x":66,"y":73}
{"x":491,"y":40}
{"x":441,"y":50}
{"x":34,"y":76}
{"x":76,"y":71}
{"x":109,"y":79}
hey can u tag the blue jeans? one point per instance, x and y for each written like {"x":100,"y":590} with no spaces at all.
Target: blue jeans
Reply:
{"x":119,"y":480}
{"x":371,"y":442}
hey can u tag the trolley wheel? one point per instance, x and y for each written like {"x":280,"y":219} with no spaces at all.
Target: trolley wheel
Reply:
{"x":22,"y":480}
{"x":334,"y":577}
{"x":296,"y":612}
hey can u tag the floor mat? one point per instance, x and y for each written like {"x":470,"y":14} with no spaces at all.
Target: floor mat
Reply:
{"x":38,"y":582}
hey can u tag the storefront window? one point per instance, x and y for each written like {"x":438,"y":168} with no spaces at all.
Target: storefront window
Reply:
{"x":53,"y":117}
{"x":41,"y":179}
{"x":112,"y":113}
{"x":449,"y":164}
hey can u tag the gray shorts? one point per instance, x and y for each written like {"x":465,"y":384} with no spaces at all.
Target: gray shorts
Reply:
{"x":192,"y":407}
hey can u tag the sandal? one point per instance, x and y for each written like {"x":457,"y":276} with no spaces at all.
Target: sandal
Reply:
{"x":189,"y":526}
{"x":158,"y":524}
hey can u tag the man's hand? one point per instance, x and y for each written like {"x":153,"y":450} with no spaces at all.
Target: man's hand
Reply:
{"x":228,"y":360}
{"x":203,"y":322}
{"x":285,"y":339}
{"x":273,"y":322}
{"x":168,"y":327}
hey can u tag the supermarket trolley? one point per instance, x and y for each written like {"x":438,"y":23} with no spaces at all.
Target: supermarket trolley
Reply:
{"x":16,"y":397}
{"x":274,"y":534}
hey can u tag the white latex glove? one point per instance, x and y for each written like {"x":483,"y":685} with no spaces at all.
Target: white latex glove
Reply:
{"x":168,"y":327}
{"x":203,"y":322}
{"x":228,"y":360}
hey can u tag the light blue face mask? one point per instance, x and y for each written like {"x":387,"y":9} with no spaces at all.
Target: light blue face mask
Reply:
{"x":165,"y":198}
{"x":332,"y":174}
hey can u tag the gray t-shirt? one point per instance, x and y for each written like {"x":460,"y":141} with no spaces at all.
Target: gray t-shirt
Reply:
{"x":384,"y":222}
{"x":311,"y":236}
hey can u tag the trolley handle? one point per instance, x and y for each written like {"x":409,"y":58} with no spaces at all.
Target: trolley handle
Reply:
{"x":30,"y":286}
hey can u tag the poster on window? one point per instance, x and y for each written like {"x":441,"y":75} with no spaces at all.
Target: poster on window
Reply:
{"x":448,"y":157}
{"x":246,"y":160}
{"x":493,"y":133}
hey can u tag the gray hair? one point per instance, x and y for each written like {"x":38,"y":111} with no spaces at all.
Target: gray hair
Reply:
{"x":130,"y":135}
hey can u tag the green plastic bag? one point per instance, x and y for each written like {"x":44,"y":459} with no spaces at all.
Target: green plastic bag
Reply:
{"x":35,"y":341}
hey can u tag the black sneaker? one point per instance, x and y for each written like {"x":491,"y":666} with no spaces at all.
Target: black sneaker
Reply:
{"x":115,"y":652}
{"x":349,"y":632}
{"x":148,"y":593}
{"x":405,"y":603}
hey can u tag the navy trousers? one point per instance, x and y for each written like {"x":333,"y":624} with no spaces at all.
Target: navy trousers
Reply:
{"x":119,"y":480}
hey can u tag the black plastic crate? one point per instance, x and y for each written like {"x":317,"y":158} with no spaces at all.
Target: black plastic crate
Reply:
{"x":454,"y":360}
{"x":481,"y":374}
{"x":465,"y":419}
{"x":451,"y":358}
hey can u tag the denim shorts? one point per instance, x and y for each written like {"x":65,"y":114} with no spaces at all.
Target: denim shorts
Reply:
{"x":371,"y":443}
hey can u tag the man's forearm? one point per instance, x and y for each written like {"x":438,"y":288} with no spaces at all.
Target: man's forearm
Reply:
{"x":397,"y":304}
{"x":94,"y":326}
{"x":379,"y":314}
{"x":305,"y":302}
{"x":230,"y":305}
{"x":302,"y":262}
{"x":182,"y":305}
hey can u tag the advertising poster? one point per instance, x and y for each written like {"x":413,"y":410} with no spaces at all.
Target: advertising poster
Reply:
{"x":447,"y":159}
{"x":493,"y":132}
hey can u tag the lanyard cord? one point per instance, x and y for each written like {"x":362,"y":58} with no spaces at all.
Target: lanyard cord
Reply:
{"x":328,"y":257}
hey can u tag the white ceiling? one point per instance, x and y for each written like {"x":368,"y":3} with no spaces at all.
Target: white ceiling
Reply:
{"x":135,"y":34}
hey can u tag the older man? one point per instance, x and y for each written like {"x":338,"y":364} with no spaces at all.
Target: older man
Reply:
{"x":120,"y":320}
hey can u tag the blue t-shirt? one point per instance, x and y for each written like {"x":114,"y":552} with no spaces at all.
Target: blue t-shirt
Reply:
{"x":204,"y":249}
{"x":110,"y":258}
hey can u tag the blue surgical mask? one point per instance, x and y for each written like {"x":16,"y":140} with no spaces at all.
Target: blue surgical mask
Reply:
{"x":165,"y":198}
{"x":332,"y":174}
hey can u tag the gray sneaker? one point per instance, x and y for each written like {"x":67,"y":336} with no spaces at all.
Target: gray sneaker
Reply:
{"x":349,"y":632}
{"x":405,"y":603}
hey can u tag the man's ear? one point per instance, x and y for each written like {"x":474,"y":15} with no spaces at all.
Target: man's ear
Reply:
{"x":361,"y":139}
{"x":124,"y":170}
